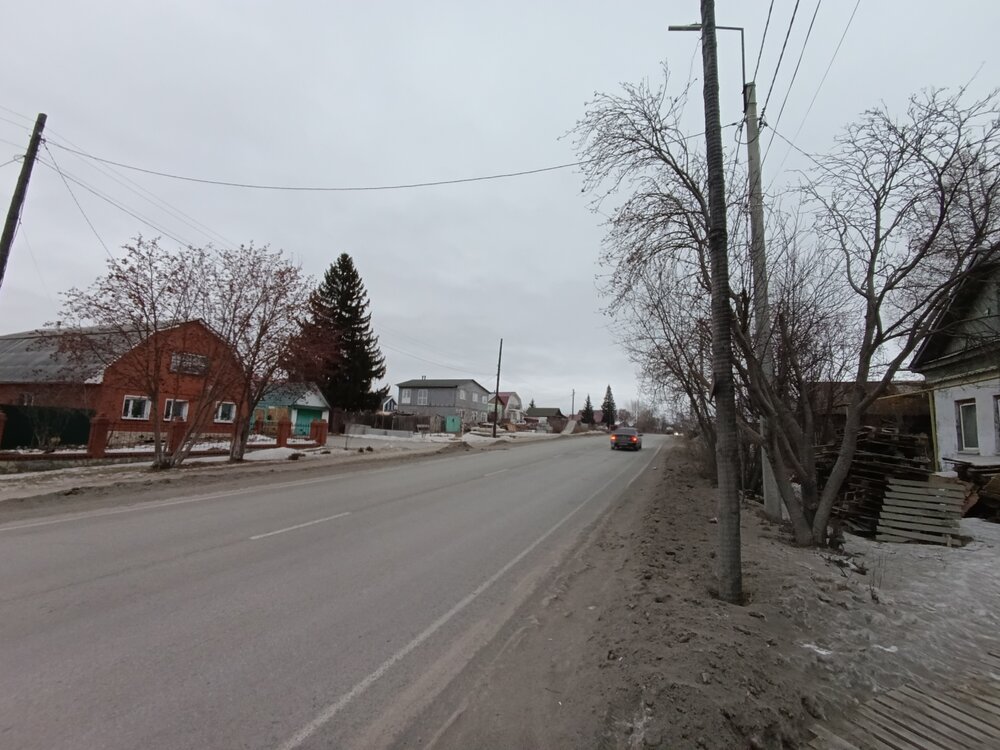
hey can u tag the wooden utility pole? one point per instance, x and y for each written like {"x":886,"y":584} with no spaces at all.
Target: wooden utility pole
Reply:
{"x":730,"y":567}
{"x":761,"y":311}
{"x":496,"y":393}
{"x":17,"y":201}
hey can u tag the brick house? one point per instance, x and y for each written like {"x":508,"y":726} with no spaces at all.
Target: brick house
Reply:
{"x":114,"y":374}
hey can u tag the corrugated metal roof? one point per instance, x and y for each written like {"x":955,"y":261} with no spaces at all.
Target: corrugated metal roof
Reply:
{"x":35,"y":357}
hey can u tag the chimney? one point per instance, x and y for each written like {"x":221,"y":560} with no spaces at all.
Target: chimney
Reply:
{"x":423,"y":377}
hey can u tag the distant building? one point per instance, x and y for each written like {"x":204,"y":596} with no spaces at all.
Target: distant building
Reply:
{"x":463,"y":398}
{"x":511,"y":409}
{"x":301,"y":403}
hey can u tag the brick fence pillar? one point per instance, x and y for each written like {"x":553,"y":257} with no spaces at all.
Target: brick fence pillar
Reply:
{"x":175,"y":439}
{"x":318,"y":431}
{"x":97,"y":441}
{"x":258,"y":425}
{"x":284,"y":431}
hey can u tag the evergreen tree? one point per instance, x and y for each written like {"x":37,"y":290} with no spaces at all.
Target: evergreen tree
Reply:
{"x":532,"y":404}
{"x":609,"y":409}
{"x":338,"y":310}
{"x":587,"y":415}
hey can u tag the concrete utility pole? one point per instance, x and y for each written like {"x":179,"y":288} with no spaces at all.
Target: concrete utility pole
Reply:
{"x":730,"y":564}
{"x":572,"y":408}
{"x":496,"y":393}
{"x":17,"y":201}
{"x":761,"y":309}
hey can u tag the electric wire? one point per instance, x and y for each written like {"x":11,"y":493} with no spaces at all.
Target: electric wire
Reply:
{"x":124,"y":209}
{"x":155,"y":200}
{"x":77,"y":202}
{"x":34,"y":261}
{"x":10,"y":161}
{"x":795,"y":73}
{"x":325,"y":189}
{"x":815,"y":96}
{"x":763,"y":39}
{"x":781,"y":57}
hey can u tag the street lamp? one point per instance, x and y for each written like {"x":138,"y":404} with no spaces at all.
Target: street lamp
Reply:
{"x":761,"y":314}
{"x":743,"y":54}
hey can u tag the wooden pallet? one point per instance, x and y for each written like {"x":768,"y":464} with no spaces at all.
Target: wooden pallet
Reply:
{"x":922,"y":512}
{"x":964,"y":717}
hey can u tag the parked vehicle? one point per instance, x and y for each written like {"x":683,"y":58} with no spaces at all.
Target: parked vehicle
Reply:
{"x":626,"y":437}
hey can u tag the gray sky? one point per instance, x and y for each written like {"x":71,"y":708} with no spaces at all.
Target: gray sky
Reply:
{"x":378,"y":93}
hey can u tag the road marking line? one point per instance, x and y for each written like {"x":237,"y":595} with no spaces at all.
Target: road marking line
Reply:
{"x":494,"y":473}
{"x":327,"y":714}
{"x":299,"y":526}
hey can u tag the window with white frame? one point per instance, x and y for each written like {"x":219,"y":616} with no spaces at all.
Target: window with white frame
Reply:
{"x":136,"y":407}
{"x":422,"y":397}
{"x":461,"y":394}
{"x":225,"y":412}
{"x":475,"y":397}
{"x":175,"y":408}
{"x":968,"y":427}
{"x":404,"y":395}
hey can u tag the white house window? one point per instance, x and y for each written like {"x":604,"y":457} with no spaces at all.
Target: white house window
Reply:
{"x":225,"y":412}
{"x":136,"y":407}
{"x":461,"y":394}
{"x":175,"y":409}
{"x":26,"y":399}
{"x":475,"y":397}
{"x":404,"y":395}
{"x":188,"y":363}
{"x":968,"y":427}
{"x":422,"y":397}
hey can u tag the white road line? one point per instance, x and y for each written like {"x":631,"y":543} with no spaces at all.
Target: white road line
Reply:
{"x":299,"y":526}
{"x":494,"y":473}
{"x":327,"y":714}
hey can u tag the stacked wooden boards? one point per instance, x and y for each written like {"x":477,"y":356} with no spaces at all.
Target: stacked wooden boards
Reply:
{"x":921,"y":512}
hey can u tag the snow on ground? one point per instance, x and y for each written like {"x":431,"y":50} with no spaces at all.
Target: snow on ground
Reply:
{"x":921,"y":610}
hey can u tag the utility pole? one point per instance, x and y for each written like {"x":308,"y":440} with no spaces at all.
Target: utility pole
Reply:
{"x":572,"y":408}
{"x":496,"y":393}
{"x":730,"y":567}
{"x":761,"y":311}
{"x":14,"y":212}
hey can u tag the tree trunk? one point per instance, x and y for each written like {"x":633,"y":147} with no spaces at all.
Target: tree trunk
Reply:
{"x":841,"y":468}
{"x":241,"y":436}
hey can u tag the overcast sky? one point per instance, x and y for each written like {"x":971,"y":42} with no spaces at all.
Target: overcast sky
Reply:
{"x":344,"y":94}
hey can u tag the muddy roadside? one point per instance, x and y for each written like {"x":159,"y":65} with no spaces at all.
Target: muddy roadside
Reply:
{"x":625,"y":647}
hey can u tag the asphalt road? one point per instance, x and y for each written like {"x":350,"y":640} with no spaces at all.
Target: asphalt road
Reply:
{"x":305,"y":614}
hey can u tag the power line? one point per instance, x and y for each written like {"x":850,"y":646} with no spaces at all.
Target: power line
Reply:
{"x":795,"y":73}
{"x":763,"y":39}
{"x":155,"y":200}
{"x":34,"y":261}
{"x":73,"y":196}
{"x":781,"y":57}
{"x":827,"y":71}
{"x":10,"y":161}
{"x":815,"y":95}
{"x":321,"y":189}
{"x":120,"y":207}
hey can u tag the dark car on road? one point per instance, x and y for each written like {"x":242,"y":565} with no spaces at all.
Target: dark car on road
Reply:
{"x":626,"y":437}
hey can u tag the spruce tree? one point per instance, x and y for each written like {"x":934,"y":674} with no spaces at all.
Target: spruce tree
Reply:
{"x":338,"y":311}
{"x":609,"y":409}
{"x":587,"y":416}
{"x":532,"y":404}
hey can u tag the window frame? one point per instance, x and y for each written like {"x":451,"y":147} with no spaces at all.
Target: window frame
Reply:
{"x":189,"y":363}
{"x":961,"y":408}
{"x":422,"y":399}
{"x":404,"y":396}
{"x":168,"y":404}
{"x":218,"y":409}
{"x":126,"y":412}
{"x":461,"y":394}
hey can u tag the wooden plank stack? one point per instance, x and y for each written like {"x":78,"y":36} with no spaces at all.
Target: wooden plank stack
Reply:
{"x":882,"y":454}
{"x":921,"y":512}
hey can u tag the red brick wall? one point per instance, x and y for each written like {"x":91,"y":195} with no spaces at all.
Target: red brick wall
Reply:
{"x":127,"y":377}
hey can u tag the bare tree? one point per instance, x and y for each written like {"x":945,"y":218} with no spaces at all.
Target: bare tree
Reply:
{"x":906,"y":210}
{"x":255,"y":302}
{"x":250,"y":299}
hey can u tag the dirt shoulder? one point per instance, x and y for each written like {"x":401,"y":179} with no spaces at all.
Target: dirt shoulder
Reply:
{"x":626,"y":648}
